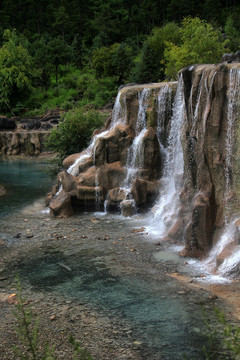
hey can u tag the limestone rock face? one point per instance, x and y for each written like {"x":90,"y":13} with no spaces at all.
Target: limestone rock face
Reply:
{"x":61,"y":205}
{"x":19,"y":142}
{"x":210,"y":139}
{"x":26,"y":135}
{"x":123,"y":162}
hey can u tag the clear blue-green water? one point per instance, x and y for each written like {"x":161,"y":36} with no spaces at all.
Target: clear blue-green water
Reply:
{"x":24,"y":181}
{"x":167,"y":324}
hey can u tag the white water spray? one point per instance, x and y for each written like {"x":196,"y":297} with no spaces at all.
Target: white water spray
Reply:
{"x":166,"y":207}
{"x":136,"y":151}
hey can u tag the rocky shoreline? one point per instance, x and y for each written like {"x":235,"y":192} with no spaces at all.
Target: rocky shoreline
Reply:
{"x":125,"y":249}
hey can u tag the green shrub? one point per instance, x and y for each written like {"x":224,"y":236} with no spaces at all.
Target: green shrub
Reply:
{"x":74,"y":131}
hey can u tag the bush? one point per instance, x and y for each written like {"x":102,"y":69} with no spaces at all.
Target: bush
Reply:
{"x":74,"y":131}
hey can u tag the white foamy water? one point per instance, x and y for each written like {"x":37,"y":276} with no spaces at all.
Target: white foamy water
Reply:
{"x":135,"y":159}
{"x":119,"y":114}
{"x":135,"y":155}
{"x":194,"y":113}
{"x":166,"y":208}
{"x":208,"y":267}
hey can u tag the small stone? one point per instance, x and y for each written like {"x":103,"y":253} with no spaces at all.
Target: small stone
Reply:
{"x":53,"y":317}
{"x":137,"y":342}
{"x":181,"y":292}
{"x":138,"y":230}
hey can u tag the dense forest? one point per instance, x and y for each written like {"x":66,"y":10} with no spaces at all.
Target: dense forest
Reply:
{"x":63,"y":54}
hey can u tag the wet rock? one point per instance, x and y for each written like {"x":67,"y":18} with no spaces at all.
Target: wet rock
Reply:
{"x":127,"y":208}
{"x":61,"y":205}
{"x":2,"y":190}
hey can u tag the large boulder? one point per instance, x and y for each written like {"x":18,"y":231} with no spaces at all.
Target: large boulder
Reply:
{"x":61,"y":206}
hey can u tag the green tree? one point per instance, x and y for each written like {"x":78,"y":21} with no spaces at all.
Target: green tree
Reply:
{"x":232,"y":33}
{"x":201,"y":43}
{"x":115,"y":60}
{"x":17,"y":70}
{"x":150,"y":66}
{"x":74,"y":131}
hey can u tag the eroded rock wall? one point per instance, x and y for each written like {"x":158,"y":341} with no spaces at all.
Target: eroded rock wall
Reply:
{"x":211,"y":146}
{"x":124,"y":162}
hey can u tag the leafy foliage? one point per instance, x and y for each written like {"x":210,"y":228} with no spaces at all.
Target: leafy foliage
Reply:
{"x":201,"y":43}
{"x":17,"y":70}
{"x":232,"y":33}
{"x":111,"y":41}
{"x":150,"y":66}
{"x":74,"y":131}
{"x":115,"y":60}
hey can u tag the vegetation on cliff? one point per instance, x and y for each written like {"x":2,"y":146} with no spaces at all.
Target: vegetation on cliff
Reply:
{"x":75,"y":53}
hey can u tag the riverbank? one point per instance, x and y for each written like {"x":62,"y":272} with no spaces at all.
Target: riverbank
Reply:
{"x":75,"y":273}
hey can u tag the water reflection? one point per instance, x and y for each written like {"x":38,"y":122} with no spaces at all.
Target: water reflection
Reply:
{"x":24,"y":181}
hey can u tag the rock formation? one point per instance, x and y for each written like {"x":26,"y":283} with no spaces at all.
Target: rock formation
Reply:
{"x":173,"y":144}
{"x":2,"y":190}
{"x":26,"y":135}
{"x":121,"y":167}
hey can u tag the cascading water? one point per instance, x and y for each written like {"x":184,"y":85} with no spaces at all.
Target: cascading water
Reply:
{"x":229,"y":234}
{"x":208,"y":101}
{"x":194,"y":113}
{"x":135,"y":152}
{"x":167,"y":205}
{"x":97,"y":191}
{"x":119,"y":114}
{"x":164,"y":101}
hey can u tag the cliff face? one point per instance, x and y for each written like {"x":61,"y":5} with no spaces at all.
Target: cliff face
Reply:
{"x":211,"y":144}
{"x":26,"y":135}
{"x":22,"y":142}
{"x":177,"y":145}
{"x":123,"y":164}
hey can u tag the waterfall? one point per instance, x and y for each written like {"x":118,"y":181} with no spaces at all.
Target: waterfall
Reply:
{"x":166,"y":208}
{"x":208,"y":101}
{"x":97,"y":191}
{"x":164,"y":101}
{"x":119,"y":113}
{"x":135,"y":155}
{"x":194,"y":114}
{"x":228,"y":238}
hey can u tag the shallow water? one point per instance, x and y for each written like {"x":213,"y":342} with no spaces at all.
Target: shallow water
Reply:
{"x":24,"y":181}
{"x":165,"y":322}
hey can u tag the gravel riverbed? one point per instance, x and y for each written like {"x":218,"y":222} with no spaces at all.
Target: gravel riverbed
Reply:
{"x":32,"y":242}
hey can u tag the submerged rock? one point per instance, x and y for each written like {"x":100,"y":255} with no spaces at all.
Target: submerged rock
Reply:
{"x":2,"y":190}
